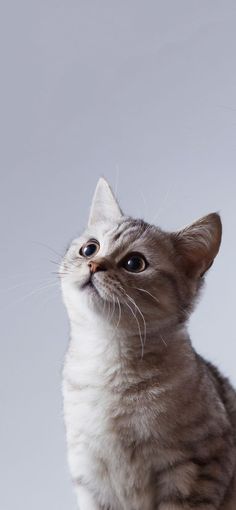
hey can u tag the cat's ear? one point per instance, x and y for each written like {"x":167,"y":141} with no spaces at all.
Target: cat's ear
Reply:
{"x":198,"y":244}
{"x":104,"y":204}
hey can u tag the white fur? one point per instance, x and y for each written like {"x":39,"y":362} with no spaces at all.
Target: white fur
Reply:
{"x":94,"y":452}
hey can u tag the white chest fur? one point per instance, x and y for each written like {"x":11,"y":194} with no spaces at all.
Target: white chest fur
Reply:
{"x":97,"y":460}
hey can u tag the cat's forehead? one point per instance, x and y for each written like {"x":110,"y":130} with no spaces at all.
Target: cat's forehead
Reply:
{"x":123,"y":231}
{"x":120,"y":233}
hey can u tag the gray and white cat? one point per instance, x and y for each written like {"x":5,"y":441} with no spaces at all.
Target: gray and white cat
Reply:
{"x":150,"y":424}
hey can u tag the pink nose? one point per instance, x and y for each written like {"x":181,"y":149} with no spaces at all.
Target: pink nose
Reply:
{"x":96,"y":266}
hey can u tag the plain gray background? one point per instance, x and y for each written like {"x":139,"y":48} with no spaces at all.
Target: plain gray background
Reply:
{"x":143,"y":92}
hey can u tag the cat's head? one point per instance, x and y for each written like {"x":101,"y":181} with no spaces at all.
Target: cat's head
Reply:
{"x":131,"y":273}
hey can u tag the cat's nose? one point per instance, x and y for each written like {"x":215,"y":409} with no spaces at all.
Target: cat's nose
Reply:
{"x":96,"y":266}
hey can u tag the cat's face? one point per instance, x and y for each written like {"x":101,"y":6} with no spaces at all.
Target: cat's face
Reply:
{"x":132,"y":273}
{"x":125,"y":263}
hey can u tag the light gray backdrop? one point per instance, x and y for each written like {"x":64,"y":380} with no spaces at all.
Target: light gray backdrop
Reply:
{"x":143,"y":92}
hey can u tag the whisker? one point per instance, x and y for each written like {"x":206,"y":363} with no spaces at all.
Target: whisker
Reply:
{"x":139,"y":329}
{"x":30,"y":294}
{"x":144,"y":290}
{"x":54,"y":262}
{"x":22,"y":273}
{"x":48,"y":299}
{"x":59,"y":273}
{"x":14,"y":287}
{"x":119,"y":317}
{"x":163,"y":340}
{"x":119,"y":346}
{"x":104,"y":306}
{"x":49,"y":248}
{"x":113,"y":306}
{"x":142,"y":316}
{"x":138,"y":309}
{"x":58,"y":263}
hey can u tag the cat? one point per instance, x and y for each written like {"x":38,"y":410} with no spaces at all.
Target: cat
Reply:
{"x":150,"y":424}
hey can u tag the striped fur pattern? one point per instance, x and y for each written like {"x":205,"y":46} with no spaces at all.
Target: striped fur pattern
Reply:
{"x":150,"y":424}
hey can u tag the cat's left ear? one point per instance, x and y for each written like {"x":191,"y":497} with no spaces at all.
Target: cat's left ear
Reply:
{"x":104,"y":204}
{"x":198,"y":244}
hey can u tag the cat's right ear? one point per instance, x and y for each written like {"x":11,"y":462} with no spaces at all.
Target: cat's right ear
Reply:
{"x":104,"y":204}
{"x":198,"y":244}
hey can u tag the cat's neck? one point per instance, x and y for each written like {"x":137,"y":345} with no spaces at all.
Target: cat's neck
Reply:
{"x":109,"y":346}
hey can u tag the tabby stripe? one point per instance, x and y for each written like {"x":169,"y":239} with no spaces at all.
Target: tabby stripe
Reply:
{"x":211,"y":478}
{"x":192,"y":501}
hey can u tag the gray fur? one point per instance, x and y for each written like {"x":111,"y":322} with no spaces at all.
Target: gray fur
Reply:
{"x":150,"y":424}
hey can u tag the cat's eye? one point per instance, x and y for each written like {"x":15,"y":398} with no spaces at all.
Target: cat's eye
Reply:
{"x":90,"y":248}
{"x":134,"y":263}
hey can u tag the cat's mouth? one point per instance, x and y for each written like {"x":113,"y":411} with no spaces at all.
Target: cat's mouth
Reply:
{"x":89,"y":285}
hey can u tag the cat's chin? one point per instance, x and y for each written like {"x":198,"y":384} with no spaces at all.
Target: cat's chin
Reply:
{"x":90,"y":288}
{"x":95,"y":289}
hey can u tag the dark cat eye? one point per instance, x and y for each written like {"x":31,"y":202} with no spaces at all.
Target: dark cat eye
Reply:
{"x":135,"y":263}
{"x":90,"y":248}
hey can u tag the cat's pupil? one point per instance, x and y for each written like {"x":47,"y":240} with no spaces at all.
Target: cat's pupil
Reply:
{"x":135,"y":263}
{"x":89,"y":249}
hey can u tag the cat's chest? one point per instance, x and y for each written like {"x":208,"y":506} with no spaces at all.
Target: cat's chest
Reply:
{"x":108,"y":430}
{"x":87,"y":409}
{"x":99,"y":410}
{"x":96,"y":424}
{"x":90,"y":393}
{"x":99,"y":401}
